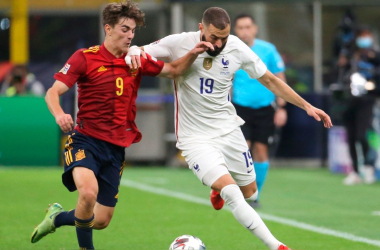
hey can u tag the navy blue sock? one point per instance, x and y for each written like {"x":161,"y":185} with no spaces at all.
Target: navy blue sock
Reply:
{"x":84,"y":232}
{"x":65,"y":218}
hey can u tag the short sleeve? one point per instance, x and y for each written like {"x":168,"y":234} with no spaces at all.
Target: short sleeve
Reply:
{"x":163,"y":48}
{"x":151,"y":66}
{"x":276,"y":64}
{"x":251,"y":63}
{"x":74,"y":68}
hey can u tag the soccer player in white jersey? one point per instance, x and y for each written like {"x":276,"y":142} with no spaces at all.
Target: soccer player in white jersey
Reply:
{"x":207,"y":127}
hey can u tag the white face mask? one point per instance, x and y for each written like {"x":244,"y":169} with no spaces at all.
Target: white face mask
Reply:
{"x":364,"y":42}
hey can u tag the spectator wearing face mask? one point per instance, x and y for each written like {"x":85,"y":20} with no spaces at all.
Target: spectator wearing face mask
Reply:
{"x":363,"y":60}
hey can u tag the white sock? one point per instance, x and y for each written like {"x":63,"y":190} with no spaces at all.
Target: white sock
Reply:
{"x":253,"y":197}
{"x":247,"y":216}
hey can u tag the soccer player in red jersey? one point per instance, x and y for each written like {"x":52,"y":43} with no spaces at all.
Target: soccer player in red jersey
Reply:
{"x":94,"y":152}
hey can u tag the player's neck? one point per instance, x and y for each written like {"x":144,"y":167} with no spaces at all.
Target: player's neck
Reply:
{"x":112,"y":49}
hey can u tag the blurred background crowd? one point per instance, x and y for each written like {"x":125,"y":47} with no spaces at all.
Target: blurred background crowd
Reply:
{"x":330,"y":50}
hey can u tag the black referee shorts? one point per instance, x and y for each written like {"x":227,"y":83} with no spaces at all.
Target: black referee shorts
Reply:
{"x":259,"y":124}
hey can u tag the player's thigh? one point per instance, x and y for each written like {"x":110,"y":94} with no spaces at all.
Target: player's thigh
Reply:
{"x":85,"y":181}
{"x":79,"y":155}
{"x":238,"y":158}
{"x":103,"y":215}
{"x":203,"y":158}
{"x":109,"y":176}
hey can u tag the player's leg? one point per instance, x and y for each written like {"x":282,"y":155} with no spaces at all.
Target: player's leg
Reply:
{"x":250,"y":191}
{"x":109,"y":177}
{"x":103,"y":216}
{"x":241,"y":168}
{"x":76,"y":154}
{"x":247,"y":128}
{"x":87,"y":186}
{"x":241,"y":210}
{"x":208,"y":163}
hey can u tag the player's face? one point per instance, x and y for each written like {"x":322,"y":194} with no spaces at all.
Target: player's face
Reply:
{"x":122,"y":33}
{"x":218,"y":38}
{"x":245,"y":29}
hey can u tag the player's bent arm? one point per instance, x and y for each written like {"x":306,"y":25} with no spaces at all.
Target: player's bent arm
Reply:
{"x":64,"y":121}
{"x":281,"y":89}
{"x":180,"y":66}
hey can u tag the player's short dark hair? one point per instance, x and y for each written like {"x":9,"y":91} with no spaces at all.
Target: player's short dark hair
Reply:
{"x":128,"y":9}
{"x":216,"y":16}
{"x":244,"y":15}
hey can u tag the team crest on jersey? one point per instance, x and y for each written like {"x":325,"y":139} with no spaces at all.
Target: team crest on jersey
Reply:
{"x":133,"y":72}
{"x":207,"y":63}
{"x":225,"y":63}
{"x":65,"y":68}
{"x":80,"y":155}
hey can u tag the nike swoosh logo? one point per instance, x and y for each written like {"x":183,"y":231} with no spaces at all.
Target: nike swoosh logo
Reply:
{"x":51,"y":216}
{"x":250,"y":171}
{"x":250,"y":225}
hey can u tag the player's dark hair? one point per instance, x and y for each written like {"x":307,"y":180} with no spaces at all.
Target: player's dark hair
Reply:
{"x":244,"y":15}
{"x":216,"y":16}
{"x":128,"y":9}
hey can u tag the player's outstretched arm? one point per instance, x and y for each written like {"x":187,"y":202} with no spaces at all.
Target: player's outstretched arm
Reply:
{"x":181,"y":65}
{"x":65,"y":121}
{"x":281,"y":89}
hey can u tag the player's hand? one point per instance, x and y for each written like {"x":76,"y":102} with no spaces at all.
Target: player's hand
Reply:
{"x":132,"y":59}
{"x":202,"y":47}
{"x":319,"y":115}
{"x":65,"y":122}
{"x":280,"y":117}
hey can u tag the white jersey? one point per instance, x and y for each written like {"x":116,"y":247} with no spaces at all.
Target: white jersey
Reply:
{"x":203,"y":107}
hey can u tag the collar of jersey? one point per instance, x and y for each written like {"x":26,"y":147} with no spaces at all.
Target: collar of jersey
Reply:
{"x":108,"y":55}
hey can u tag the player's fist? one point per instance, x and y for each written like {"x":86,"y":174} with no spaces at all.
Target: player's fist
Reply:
{"x":65,"y":122}
{"x":132,"y":59}
{"x":202,"y":47}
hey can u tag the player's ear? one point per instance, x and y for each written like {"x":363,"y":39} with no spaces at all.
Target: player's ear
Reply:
{"x":107,"y":29}
{"x":200,"y":25}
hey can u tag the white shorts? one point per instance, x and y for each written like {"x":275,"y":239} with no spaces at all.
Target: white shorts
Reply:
{"x":229,"y":150}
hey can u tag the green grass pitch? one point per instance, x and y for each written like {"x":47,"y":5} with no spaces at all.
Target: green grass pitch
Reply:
{"x":147,"y":221}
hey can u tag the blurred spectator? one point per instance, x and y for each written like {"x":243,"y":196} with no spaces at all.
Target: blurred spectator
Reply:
{"x":345,"y":40}
{"x":21,"y":82}
{"x":361,"y":72}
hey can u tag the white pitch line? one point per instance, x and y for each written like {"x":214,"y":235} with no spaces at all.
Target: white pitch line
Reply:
{"x":289,"y":222}
{"x":376,"y":213}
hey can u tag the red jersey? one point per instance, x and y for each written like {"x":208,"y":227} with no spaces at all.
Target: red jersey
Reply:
{"x":107,"y":92}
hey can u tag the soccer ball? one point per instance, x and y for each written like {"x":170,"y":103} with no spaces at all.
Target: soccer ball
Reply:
{"x":187,"y":242}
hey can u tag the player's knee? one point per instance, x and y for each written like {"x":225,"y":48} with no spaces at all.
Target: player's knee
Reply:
{"x":102,"y":223}
{"x":87,"y":196}
{"x":252,"y":196}
{"x":232,"y":195}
